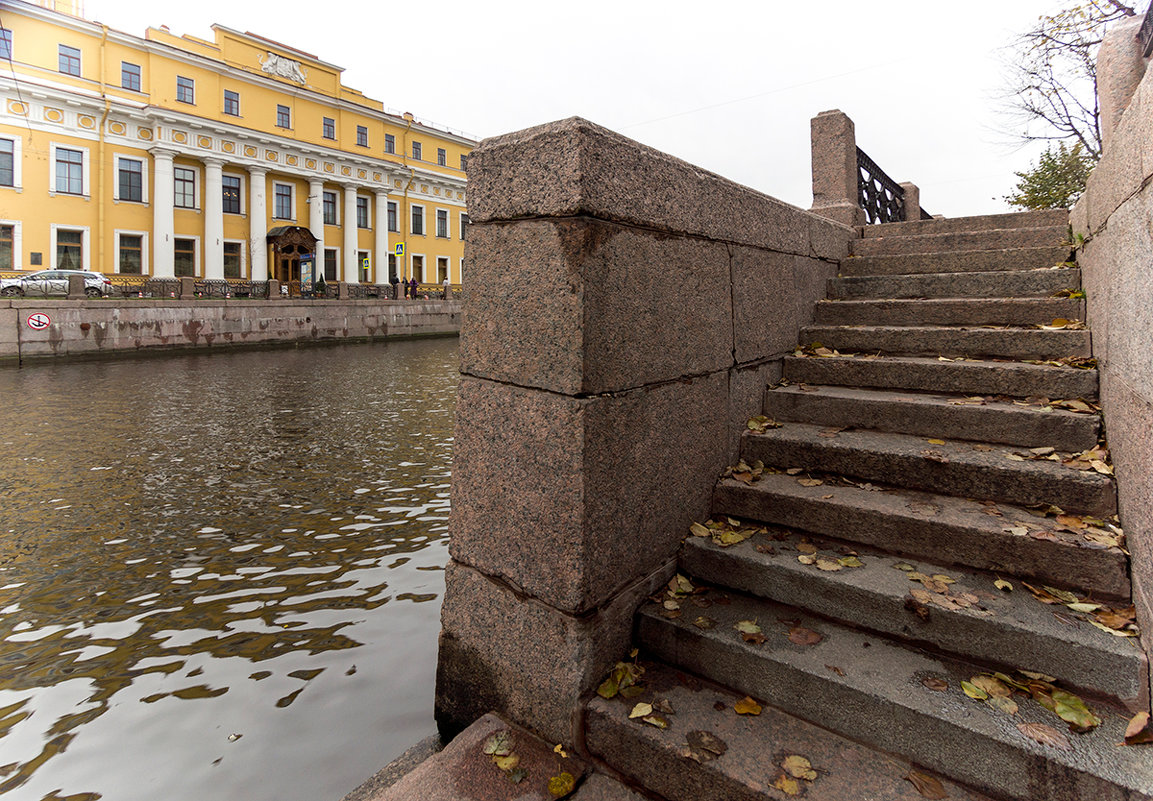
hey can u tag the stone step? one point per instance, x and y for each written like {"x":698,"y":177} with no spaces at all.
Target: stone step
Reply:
{"x":1017,"y":379}
{"x":1009,"y":630}
{"x":990,"y":222}
{"x":1041,"y":283}
{"x":997,"y":342}
{"x":962,"y":469}
{"x":753,"y":749}
{"x":939,"y":528}
{"x":869,"y":689}
{"x":956,"y":261}
{"x":945,"y":242}
{"x":932,"y":415}
{"x":949,"y":311}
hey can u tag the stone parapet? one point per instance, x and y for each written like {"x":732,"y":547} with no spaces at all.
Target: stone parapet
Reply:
{"x":626,"y":310}
{"x":1115,"y":214}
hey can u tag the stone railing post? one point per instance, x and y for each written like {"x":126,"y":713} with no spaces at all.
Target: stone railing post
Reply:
{"x":625,"y":311}
{"x":834,"y":143}
{"x":912,"y":204}
{"x":1120,"y":67}
{"x":187,"y":288}
{"x":273,"y":289}
{"x":76,"y":287}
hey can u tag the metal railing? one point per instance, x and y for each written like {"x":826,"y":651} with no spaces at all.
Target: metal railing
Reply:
{"x":880,"y":196}
{"x":1145,"y":34}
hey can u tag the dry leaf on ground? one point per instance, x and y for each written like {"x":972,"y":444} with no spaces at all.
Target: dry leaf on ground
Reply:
{"x":747,"y":706}
{"x":926,"y":785}
{"x":1045,"y":735}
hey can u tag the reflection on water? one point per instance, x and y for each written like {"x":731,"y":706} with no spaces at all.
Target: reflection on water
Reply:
{"x":220,"y":575}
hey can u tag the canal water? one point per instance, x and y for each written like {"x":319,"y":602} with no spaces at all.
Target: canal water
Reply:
{"x":220,"y":575}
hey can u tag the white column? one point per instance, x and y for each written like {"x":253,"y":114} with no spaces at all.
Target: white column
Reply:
{"x":163,"y":225}
{"x":258,"y":223}
{"x":316,"y":222}
{"x":381,"y":254}
{"x":213,"y":220}
{"x":350,"y":267}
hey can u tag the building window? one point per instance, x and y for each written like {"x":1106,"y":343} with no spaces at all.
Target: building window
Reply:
{"x":389,"y":143}
{"x":418,"y":268}
{"x":131,"y":259}
{"x":184,"y":256}
{"x":328,"y":128}
{"x":392,"y":221}
{"x":283,"y":117}
{"x":442,"y":223}
{"x":442,"y":157}
{"x":231,"y":103}
{"x":392,"y":276}
{"x":69,"y":60}
{"x":363,"y":262}
{"x":232,"y":259}
{"x":329,"y":208}
{"x":7,"y":162}
{"x":131,"y":180}
{"x":185,"y":89}
{"x":230,"y":188}
{"x":441,"y":269}
{"x":5,"y":44}
{"x":362,"y":136}
{"x":130,"y":76}
{"x":69,"y":171}
{"x":7,"y":238}
{"x":463,"y":224}
{"x":330,"y":256}
{"x":69,"y":249}
{"x":416,"y":150}
{"x":184,"y":187}
{"x":282,"y":201}
{"x":418,"y":220}
{"x":463,"y":162}
{"x":362,"y":212}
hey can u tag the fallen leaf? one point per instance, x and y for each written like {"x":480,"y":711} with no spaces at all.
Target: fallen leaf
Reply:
{"x":1138,"y":730}
{"x":557,"y":749}
{"x":1073,"y":710}
{"x":905,"y":567}
{"x":641,"y":710}
{"x":935,"y":441}
{"x":704,"y":623}
{"x":835,"y":669}
{"x":656,"y":720}
{"x":747,"y":627}
{"x":747,"y":706}
{"x":698,"y":530}
{"x":499,"y":744}
{"x":919,"y":607}
{"x":936,"y":684}
{"x":800,"y":635}
{"x":851,"y":561}
{"x":973,"y":691}
{"x":787,"y":784}
{"x":561,"y":785}
{"x":829,"y":565}
{"x":807,"y":559}
{"x":517,"y":776}
{"x":1002,"y":704}
{"x":926,"y":785}
{"x":799,"y":767}
{"x":810,"y":482}
{"x":1071,"y":521}
{"x":506,"y":763}
{"x":760,"y":424}
{"x":1003,"y":585}
{"x":706,"y":742}
{"x":1045,"y":735}
{"x":807,"y":548}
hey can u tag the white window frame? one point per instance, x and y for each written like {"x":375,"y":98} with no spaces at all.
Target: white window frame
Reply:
{"x":17,"y":242}
{"x":460,"y":273}
{"x":291,"y":201}
{"x":197,"y":266}
{"x":116,"y":159}
{"x":79,"y":60}
{"x":191,"y":87}
{"x":447,"y":268}
{"x":243,"y":254}
{"x":462,"y":222}
{"x":387,"y":139}
{"x":196,"y":183}
{"x":367,"y":212}
{"x":85,"y":245}
{"x":395,"y":208}
{"x":324,"y":257}
{"x":423,"y":267}
{"x":18,"y":162}
{"x":447,"y":224}
{"x":144,"y":249}
{"x":85,"y":178}
{"x":336,"y":204}
{"x":423,"y":219}
{"x":367,"y":256}
{"x":243,"y":190}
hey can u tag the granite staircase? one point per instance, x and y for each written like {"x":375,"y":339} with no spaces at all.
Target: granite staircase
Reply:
{"x":924,"y":505}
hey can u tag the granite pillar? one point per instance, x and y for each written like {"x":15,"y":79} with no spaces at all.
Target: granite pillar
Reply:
{"x":834,"y":143}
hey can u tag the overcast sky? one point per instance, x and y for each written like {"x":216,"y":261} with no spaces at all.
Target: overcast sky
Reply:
{"x":728,"y":85}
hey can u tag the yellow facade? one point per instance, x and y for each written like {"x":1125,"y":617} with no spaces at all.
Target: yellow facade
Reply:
{"x":171,"y":155}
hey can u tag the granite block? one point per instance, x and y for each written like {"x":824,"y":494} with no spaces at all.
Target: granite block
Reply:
{"x":573,"y":167}
{"x":571,"y":499}
{"x":499,"y":650}
{"x":773,"y":298}
{"x":587,"y":307}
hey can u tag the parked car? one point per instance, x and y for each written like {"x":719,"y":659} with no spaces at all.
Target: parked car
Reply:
{"x":54,"y":282}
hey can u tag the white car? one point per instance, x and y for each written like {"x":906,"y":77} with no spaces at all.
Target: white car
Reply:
{"x":54,"y":282}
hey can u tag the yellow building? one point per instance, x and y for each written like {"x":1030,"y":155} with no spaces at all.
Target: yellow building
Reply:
{"x":176,"y":156}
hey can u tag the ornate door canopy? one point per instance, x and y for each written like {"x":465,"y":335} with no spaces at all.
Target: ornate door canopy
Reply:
{"x":291,"y":239}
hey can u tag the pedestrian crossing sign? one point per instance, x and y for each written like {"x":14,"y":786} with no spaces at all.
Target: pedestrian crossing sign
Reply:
{"x":399,"y":248}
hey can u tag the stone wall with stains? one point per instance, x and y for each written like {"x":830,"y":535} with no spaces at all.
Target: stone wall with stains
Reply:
{"x":39,"y":329}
